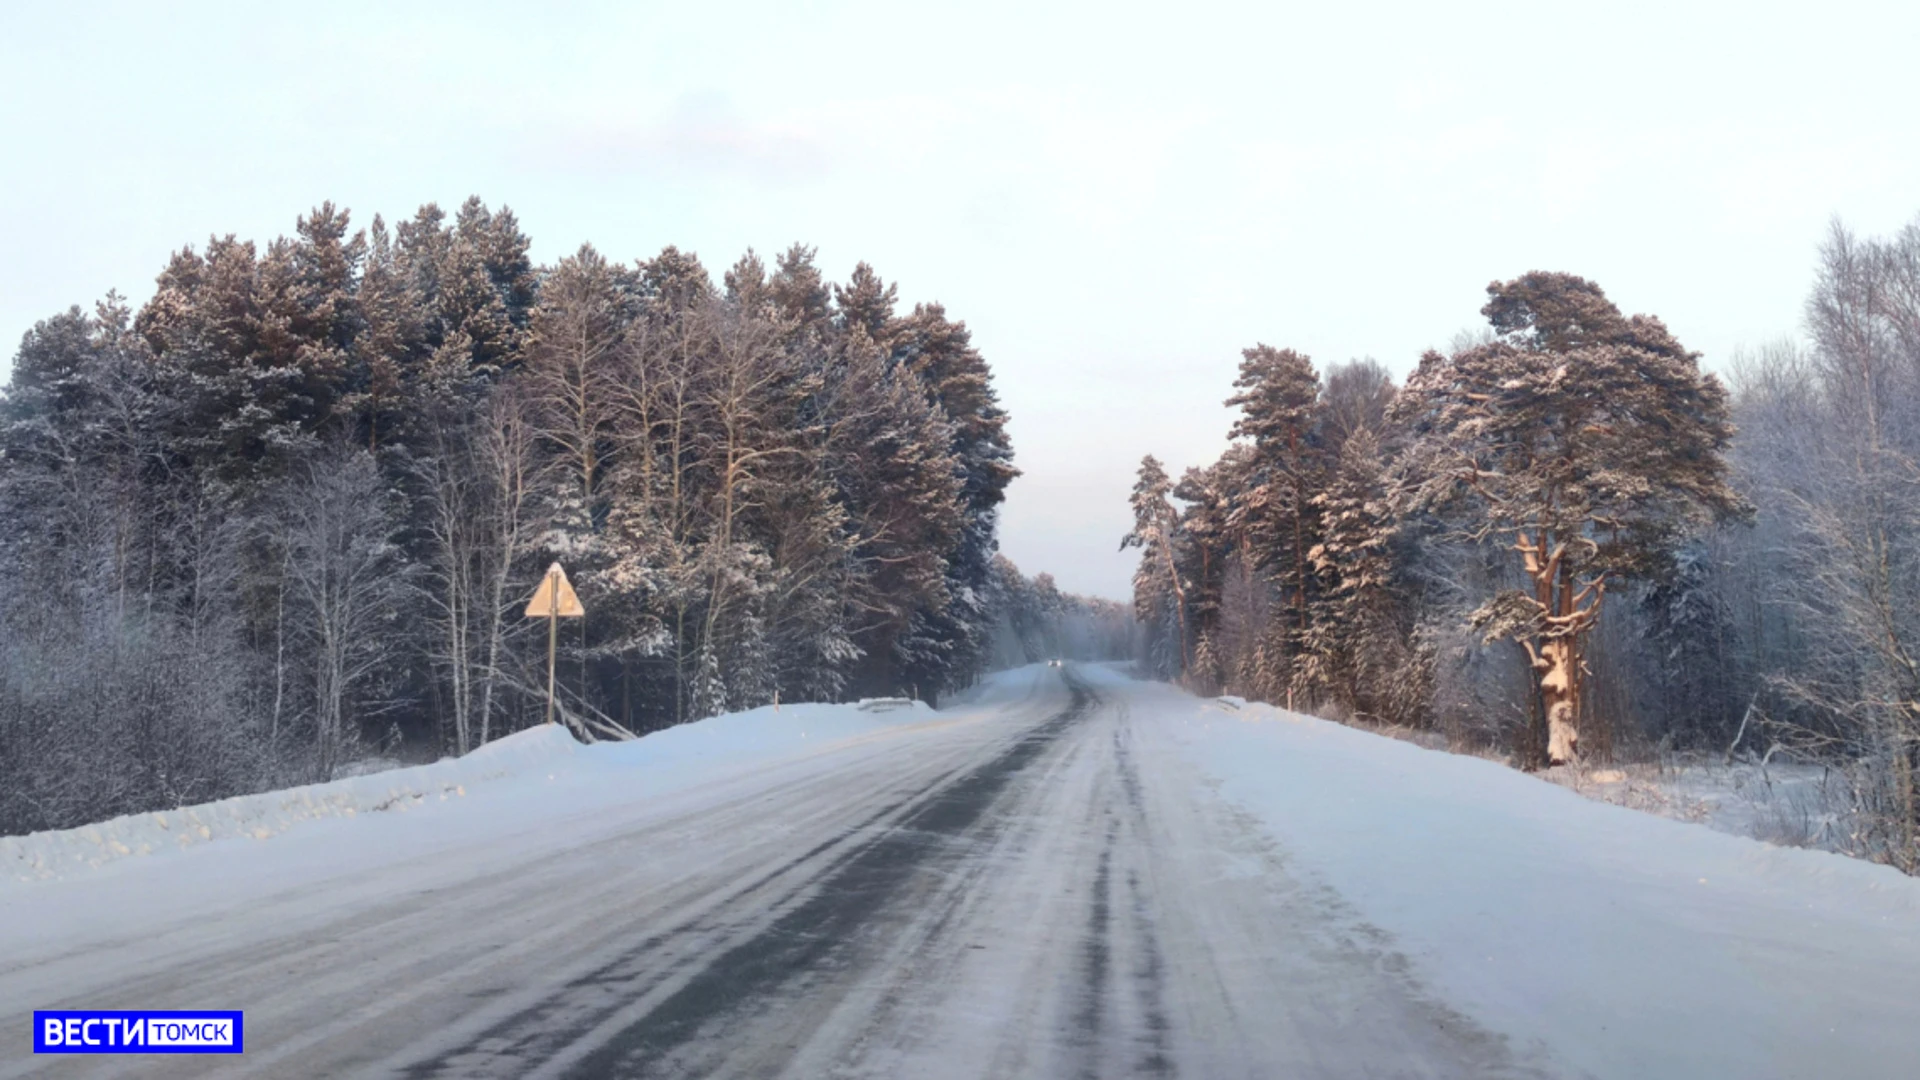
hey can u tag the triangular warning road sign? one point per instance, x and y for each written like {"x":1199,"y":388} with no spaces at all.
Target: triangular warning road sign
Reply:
{"x":554,"y":586}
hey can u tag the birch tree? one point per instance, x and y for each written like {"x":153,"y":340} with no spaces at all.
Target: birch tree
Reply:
{"x":1836,"y":468}
{"x":346,"y":580}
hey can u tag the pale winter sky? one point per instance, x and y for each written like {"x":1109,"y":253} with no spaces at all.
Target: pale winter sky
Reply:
{"x":1115,"y":198}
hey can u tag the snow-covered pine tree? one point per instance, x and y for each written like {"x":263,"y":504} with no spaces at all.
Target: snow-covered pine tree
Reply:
{"x":767,"y":381}
{"x":1207,"y":540}
{"x":222,"y":330}
{"x":1279,"y":391}
{"x":1159,"y":594}
{"x":384,"y":352}
{"x":1587,"y":441}
{"x":748,"y":399}
{"x":865,"y":303}
{"x":474,"y":288}
{"x":1205,"y":676}
{"x":957,"y":380}
{"x":890,"y":453}
{"x":1690,"y":627}
{"x":708,"y":695}
{"x":800,"y":294}
{"x":1358,"y":646}
{"x":569,"y":368}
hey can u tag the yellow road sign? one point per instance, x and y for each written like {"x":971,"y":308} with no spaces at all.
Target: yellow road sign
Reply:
{"x":555,"y":587}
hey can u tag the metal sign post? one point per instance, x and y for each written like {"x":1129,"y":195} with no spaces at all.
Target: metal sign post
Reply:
{"x":554,"y":600}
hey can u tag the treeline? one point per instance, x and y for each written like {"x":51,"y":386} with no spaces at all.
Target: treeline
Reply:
{"x":291,"y":508}
{"x":1039,"y":622}
{"x":1561,"y":539}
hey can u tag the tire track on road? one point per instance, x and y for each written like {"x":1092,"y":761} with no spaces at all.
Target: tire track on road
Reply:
{"x":653,"y":1026}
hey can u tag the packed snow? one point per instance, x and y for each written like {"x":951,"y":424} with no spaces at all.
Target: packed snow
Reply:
{"x":1626,"y":944}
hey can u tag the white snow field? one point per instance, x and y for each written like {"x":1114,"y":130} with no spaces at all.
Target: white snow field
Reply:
{"x":1070,"y":874}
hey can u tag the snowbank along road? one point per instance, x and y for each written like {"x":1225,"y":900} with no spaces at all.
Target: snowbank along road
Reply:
{"x":1044,"y":882}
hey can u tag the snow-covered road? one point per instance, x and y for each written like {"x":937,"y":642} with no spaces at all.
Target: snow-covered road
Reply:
{"x":1075,"y":875}
{"x":1037,"y":887}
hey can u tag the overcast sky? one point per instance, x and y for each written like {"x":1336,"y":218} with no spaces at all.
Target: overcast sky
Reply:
{"x":1116,"y":199}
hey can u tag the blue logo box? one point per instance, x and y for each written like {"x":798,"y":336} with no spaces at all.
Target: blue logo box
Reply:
{"x":145,"y":1031}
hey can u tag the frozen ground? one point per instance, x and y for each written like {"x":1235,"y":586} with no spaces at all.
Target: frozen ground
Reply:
{"x":1071,"y":874}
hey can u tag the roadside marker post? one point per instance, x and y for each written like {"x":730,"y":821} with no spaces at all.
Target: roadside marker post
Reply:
{"x":554,"y":600}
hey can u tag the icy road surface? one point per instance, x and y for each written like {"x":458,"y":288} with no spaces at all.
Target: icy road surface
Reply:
{"x":1074,"y":876}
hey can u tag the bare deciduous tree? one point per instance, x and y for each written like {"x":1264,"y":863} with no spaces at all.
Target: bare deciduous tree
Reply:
{"x":345,"y":579}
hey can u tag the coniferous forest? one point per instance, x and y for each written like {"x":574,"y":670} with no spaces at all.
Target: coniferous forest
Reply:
{"x":287,"y":514}
{"x":1563,"y":541}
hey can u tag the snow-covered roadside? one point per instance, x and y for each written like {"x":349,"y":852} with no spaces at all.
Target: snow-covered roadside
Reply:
{"x":1624,"y":945}
{"x":1784,"y":802}
{"x":527,"y":799}
{"x":52,"y":854}
{"x":1788,"y":803}
{"x":540,"y":756}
